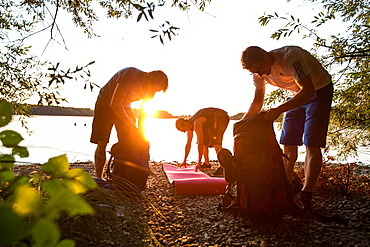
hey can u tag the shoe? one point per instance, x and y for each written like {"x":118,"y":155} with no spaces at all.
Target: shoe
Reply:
{"x":296,"y":184}
{"x":206,"y":166}
{"x":219,"y":171}
{"x":227,"y":201}
{"x":226,"y":160}
{"x":305,"y":198}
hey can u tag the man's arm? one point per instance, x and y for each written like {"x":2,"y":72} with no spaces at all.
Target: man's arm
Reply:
{"x":187,"y":147}
{"x":302,"y":97}
{"x":198,"y":123}
{"x":117,"y":104}
{"x":256,"y":104}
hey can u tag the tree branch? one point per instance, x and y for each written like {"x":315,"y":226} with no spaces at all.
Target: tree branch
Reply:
{"x":54,"y":19}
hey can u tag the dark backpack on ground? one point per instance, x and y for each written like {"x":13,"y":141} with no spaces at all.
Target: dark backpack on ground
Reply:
{"x":257,"y":169}
{"x":129,"y":163}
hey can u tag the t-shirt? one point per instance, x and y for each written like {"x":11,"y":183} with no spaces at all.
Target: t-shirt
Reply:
{"x":211,"y":117}
{"x":291,"y":64}
{"x":131,"y":79}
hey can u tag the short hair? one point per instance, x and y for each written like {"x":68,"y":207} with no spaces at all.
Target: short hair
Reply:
{"x":250,"y":56}
{"x":159,"y":79}
{"x":180,"y":123}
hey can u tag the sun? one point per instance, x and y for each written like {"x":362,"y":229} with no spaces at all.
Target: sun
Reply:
{"x":150,"y":109}
{"x":147,"y":112}
{"x":145,"y":123}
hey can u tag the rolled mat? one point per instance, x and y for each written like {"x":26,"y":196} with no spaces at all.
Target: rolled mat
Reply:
{"x":189,"y":182}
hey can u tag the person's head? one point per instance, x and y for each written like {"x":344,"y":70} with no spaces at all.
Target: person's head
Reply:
{"x":156,"y":81}
{"x":183,"y":125}
{"x":257,"y":60}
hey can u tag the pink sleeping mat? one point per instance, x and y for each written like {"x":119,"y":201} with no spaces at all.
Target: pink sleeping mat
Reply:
{"x":189,"y":182}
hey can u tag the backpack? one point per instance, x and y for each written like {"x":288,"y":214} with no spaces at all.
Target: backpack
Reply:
{"x":257,"y":169}
{"x":129,"y":164}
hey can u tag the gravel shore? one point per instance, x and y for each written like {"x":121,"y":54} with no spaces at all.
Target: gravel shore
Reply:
{"x":194,"y":220}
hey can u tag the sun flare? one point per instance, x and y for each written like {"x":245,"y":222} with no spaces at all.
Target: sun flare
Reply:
{"x":150,"y":109}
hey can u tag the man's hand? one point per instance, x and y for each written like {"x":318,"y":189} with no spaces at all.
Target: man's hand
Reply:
{"x":183,"y":164}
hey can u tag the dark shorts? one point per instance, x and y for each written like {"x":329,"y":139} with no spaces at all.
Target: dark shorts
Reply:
{"x":310,"y":121}
{"x":215,"y":136}
{"x":104,"y":119}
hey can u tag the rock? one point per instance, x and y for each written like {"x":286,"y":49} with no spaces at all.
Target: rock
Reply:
{"x":264,"y":244}
{"x":194,"y":220}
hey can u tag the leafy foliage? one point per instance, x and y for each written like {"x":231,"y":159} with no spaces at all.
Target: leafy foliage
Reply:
{"x":24,"y":75}
{"x":346,"y":53}
{"x":348,"y":179}
{"x":119,"y":219}
{"x":30,"y":207}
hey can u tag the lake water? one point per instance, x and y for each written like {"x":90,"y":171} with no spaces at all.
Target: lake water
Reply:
{"x":70,"y":135}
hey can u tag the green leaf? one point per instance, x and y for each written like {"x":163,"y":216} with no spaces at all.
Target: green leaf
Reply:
{"x":79,"y":177}
{"x":151,"y":14}
{"x":12,"y":226}
{"x":53,"y":186}
{"x":139,"y":17}
{"x":146,"y":17}
{"x":6,"y":113}
{"x":27,"y":201}
{"x":56,"y":166}
{"x":10,"y":138}
{"x":15,"y":183}
{"x":66,"y":243}
{"x":138,"y":6}
{"x":7,"y":176}
{"x":80,"y":183}
{"x":20,"y":151}
{"x":74,"y":173}
{"x":6,"y":161}
{"x":45,"y":232}
{"x":82,"y":176}
{"x":36,"y":178}
{"x":66,"y":201}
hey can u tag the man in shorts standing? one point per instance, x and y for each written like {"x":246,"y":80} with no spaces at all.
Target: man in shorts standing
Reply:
{"x":113,"y":108}
{"x":209,"y":125}
{"x":307,"y":110}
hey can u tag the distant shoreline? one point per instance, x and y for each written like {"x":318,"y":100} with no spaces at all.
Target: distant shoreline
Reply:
{"x":87,"y":112}
{"x":60,"y":111}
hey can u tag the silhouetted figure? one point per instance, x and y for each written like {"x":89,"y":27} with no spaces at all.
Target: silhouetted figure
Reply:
{"x":209,"y":125}
{"x":307,"y":109}
{"x":113,"y":107}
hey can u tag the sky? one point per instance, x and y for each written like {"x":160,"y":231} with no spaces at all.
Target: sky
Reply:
{"x":202,"y":62}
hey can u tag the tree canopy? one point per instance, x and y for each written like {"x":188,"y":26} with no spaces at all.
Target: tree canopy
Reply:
{"x":24,"y":75}
{"x":345,"y":52}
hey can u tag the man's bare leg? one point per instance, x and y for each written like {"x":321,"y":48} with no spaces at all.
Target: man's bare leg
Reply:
{"x":292,"y":152}
{"x":100,"y":159}
{"x":206,"y":154}
{"x":312,"y":167}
